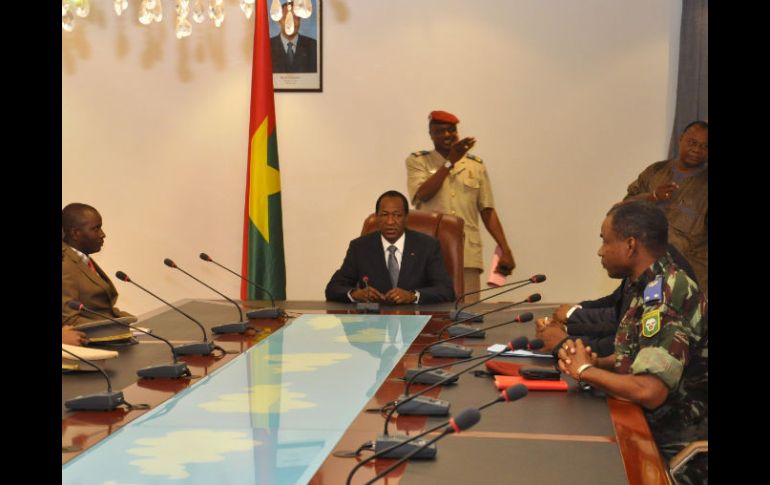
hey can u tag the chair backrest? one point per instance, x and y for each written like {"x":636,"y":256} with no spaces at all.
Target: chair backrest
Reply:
{"x":448,"y":229}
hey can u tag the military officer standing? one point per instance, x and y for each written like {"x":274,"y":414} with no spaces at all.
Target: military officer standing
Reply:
{"x":452,"y":181}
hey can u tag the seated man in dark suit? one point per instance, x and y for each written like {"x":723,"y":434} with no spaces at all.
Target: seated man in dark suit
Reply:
{"x":81,"y":278}
{"x":401,"y":266}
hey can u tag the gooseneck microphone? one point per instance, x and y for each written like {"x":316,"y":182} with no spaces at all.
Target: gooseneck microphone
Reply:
{"x":198,"y":348}
{"x":367,"y":306}
{"x":420,"y":405}
{"x":464,"y":420}
{"x":441,"y":348}
{"x":240,"y":327}
{"x":414,"y":404}
{"x":168,"y":371}
{"x":461,"y":315}
{"x":449,"y":350}
{"x":519,"y":343}
{"x":435,"y":406}
{"x":512,"y":393}
{"x":456,"y":328}
{"x":467,"y":418}
{"x":271,"y":312}
{"x":103,"y":401}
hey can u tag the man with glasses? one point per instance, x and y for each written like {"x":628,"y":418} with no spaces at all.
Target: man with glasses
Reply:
{"x":680,"y":187}
{"x":393,"y":264}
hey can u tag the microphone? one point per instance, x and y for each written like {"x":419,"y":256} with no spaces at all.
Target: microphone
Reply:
{"x":387,"y":444}
{"x":457,"y":328}
{"x":170,"y":371}
{"x":460,"y":314}
{"x":465,"y":419}
{"x":519,"y":343}
{"x":103,"y":401}
{"x":271,"y":312}
{"x":239,"y":327}
{"x":431,"y":377}
{"x":416,"y":404}
{"x":512,"y":393}
{"x":199,"y":348}
{"x":367,"y":306}
{"x":442,"y":349}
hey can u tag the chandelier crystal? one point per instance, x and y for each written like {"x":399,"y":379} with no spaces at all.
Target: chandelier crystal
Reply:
{"x":151,"y":11}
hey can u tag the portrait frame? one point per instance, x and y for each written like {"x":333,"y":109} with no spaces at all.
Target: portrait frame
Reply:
{"x":304,"y":74}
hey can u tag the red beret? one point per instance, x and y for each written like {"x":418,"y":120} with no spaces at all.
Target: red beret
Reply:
{"x":443,"y":117}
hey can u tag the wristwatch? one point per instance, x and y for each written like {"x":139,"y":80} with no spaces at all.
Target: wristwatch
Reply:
{"x":448,"y":165}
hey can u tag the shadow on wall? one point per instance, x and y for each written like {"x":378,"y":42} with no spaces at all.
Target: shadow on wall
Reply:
{"x":341,"y":11}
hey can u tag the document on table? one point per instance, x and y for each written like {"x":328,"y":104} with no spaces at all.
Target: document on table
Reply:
{"x":517,"y":353}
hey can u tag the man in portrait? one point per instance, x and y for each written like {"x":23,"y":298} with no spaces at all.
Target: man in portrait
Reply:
{"x":290,"y":50}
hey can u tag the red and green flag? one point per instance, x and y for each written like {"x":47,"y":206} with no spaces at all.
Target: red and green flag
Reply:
{"x":263,"y":259}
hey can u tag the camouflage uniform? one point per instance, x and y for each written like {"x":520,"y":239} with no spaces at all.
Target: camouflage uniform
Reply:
{"x":664,"y":333}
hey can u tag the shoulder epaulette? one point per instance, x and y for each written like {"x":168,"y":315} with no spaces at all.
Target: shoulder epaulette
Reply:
{"x":473,"y":157}
{"x":654,"y":291}
{"x":420,"y":153}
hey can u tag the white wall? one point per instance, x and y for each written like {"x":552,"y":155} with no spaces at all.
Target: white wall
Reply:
{"x":569,"y":100}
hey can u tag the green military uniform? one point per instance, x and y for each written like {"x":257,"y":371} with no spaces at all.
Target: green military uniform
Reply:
{"x":664,"y":334}
{"x":465,"y":192}
{"x":686,"y":211}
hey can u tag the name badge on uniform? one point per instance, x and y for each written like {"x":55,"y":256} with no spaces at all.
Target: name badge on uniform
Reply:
{"x":654,"y":290}
{"x":650,"y":323}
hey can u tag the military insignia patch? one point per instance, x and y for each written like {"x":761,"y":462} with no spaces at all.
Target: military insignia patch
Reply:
{"x":650,"y":323}
{"x":654,"y":290}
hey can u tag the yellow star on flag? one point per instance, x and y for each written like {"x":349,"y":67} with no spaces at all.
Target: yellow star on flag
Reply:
{"x":265,"y":181}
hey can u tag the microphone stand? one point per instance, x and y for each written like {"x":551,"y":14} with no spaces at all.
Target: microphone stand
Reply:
{"x":459,"y":314}
{"x":454,"y":329}
{"x":261,"y":313}
{"x":385,"y":440}
{"x":239,"y":327}
{"x":198,"y":348}
{"x":442,"y":349}
{"x":169,"y":371}
{"x":104,"y":401}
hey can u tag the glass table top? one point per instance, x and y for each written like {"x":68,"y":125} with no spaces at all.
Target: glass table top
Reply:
{"x":270,"y":416}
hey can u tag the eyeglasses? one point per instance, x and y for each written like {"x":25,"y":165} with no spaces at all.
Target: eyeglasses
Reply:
{"x":691,"y":143}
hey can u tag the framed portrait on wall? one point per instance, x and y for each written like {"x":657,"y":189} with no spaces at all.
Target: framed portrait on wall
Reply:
{"x":295,"y":44}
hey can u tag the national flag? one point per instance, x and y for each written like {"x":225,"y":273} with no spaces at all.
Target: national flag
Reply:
{"x":263,"y":257}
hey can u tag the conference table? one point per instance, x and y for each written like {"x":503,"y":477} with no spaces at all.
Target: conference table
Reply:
{"x":276,"y":405}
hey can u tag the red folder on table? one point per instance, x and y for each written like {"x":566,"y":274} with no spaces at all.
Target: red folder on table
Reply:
{"x":503,"y":382}
{"x":505,"y":368}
